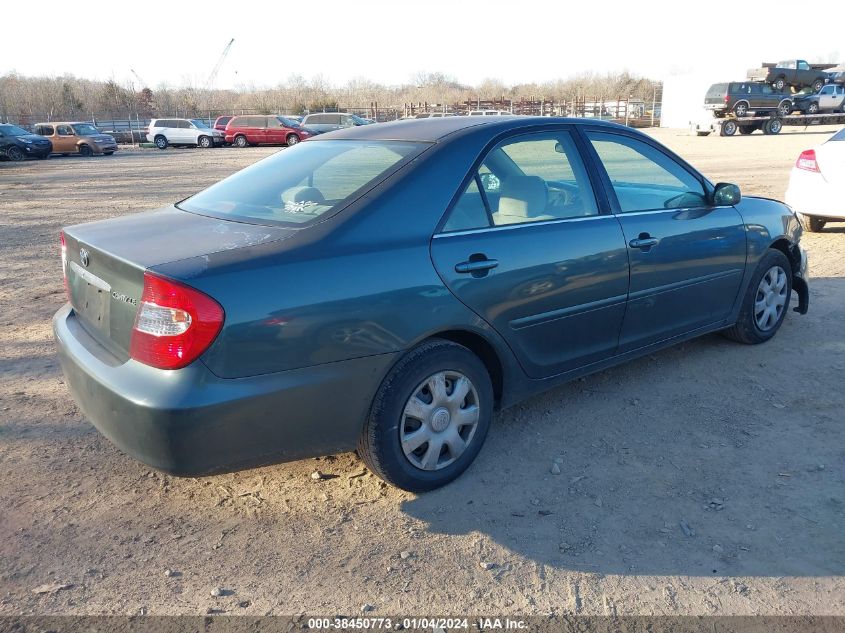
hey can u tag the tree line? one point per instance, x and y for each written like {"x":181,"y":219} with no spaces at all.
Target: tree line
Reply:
{"x":72,"y":97}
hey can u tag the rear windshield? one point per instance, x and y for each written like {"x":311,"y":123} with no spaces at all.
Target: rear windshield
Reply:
{"x":299,"y":185}
{"x":717,"y":89}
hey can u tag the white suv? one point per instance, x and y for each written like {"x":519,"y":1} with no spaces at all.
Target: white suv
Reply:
{"x":164,"y":132}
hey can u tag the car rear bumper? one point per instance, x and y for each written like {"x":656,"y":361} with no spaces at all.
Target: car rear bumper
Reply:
{"x":809,"y":193}
{"x":191,"y":422}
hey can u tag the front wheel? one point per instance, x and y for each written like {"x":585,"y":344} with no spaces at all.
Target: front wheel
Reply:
{"x":813,"y":108}
{"x":811,"y":224}
{"x":86,"y":151}
{"x":292,"y":139}
{"x":429,"y":418}
{"x":15,"y":153}
{"x":204,"y":142}
{"x":765,"y":302}
{"x":784,"y":108}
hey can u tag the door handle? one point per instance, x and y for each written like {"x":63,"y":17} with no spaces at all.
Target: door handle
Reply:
{"x":644,"y":241}
{"x":476,"y":266}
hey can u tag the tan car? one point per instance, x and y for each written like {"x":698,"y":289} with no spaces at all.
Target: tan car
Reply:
{"x":76,"y":138}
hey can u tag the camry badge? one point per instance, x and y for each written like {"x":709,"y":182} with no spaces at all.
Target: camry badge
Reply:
{"x":84,"y":257}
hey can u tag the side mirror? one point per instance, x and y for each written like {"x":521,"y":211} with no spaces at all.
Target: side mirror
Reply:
{"x":726,"y":194}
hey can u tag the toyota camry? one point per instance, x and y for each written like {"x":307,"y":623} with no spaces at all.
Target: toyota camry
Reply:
{"x":386,"y":288}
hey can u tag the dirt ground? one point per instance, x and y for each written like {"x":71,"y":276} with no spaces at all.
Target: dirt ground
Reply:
{"x":705,"y":479}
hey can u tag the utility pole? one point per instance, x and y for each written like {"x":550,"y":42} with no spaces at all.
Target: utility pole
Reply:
{"x":209,"y":84}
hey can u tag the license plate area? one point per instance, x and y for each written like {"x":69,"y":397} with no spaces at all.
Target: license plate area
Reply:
{"x":90,"y":297}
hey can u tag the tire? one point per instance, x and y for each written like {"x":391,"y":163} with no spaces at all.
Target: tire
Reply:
{"x":420,"y":469}
{"x":785,"y":107}
{"x":813,"y":108}
{"x":818,"y":84}
{"x":292,"y":140}
{"x":86,"y":151}
{"x":747,"y":129}
{"x":161,"y":141}
{"x":779,"y":83}
{"x":773,"y":126}
{"x":15,"y":153}
{"x":741,"y":108}
{"x":108,"y":153}
{"x":240,"y":141}
{"x":810,"y":223}
{"x":729,"y":128}
{"x":747,"y":328}
{"x":65,"y":154}
{"x":205,"y":142}
{"x":702,"y":133}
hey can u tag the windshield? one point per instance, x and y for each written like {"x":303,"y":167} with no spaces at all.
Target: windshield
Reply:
{"x":288,"y":122}
{"x":85,"y":129}
{"x":199,"y":123}
{"x":303,"y":183}
{"x":13,"y":130}
{"x":358,"y":120}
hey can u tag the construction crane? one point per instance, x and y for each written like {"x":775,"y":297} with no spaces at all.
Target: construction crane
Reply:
{"x":209,"y":85}
{"x":138,"y":77}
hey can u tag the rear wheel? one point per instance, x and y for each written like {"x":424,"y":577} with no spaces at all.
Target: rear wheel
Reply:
{"x":240,"y":141}
{"x":779,"y":83}
{"x":811,"y":224}
{"x":204,"y":142}
{"x":741,"y":108}
{"x":766,"y":301}
{"x":772,"y":126}
{"x":429,"y":418}
{"x":818,"y":84}
{"x":86,"y":151}
{"x":729,"y":128}
{"x":292,"y":139}
{"x":161,"y":141}
{"x":747,"y":129}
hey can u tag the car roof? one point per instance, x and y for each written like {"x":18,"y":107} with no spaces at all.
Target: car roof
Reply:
{"x":433,"y":129}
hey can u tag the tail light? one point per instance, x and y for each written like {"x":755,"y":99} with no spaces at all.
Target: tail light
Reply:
{"x":807,"y":161}
{"x":64,"y":263}
{"x":727,"y":98}
{"x":174,"y":325}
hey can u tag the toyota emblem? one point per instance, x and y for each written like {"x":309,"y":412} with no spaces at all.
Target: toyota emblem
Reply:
{"x":84,"y":257}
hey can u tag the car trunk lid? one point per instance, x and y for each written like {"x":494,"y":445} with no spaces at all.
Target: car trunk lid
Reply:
{"x":830,"y":158}
{"x":106,"y":261}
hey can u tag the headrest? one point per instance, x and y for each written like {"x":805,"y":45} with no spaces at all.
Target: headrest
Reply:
{"x":523,"y":196}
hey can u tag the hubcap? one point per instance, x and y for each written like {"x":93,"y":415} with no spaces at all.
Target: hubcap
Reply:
{"x":439,"y":420}
{"x":770,"y":300}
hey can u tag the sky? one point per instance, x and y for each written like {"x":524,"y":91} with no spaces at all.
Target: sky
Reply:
{"x":390,"y":41}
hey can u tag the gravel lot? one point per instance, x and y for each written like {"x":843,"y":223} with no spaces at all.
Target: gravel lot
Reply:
{"x":705,"y":479}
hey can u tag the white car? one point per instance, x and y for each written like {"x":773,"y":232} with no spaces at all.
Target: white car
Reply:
{"x":816,"y":189}
{"x":164,"y":132}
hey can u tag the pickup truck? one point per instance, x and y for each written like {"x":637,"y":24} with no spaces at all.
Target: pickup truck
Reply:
{"x":794,"y":72}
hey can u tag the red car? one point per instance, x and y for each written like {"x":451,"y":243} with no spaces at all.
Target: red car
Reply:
{"x":272,"y":130}
{"x":221,"y":121}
